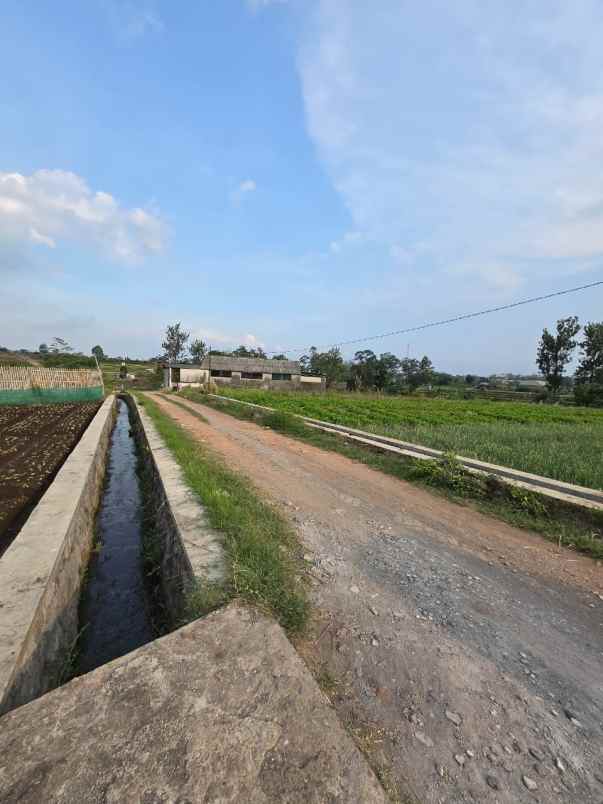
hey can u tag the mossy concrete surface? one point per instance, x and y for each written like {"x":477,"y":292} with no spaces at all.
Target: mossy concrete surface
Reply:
{"x":222,"y":710}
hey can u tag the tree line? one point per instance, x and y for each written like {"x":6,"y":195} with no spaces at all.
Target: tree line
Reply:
{"x":556,"y":350}
{"x":388,"y":373}
{"x":370,"y":372}
{"x":366,"y":372}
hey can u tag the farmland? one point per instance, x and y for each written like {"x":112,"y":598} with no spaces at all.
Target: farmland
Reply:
{"x":565,"y":443}
{"x":35,"y":440}
{"x":145,"y":373}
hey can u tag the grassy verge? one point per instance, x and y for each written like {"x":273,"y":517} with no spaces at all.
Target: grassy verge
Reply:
{"x":579,"y":528}
{"x":263,"y":554}
{"x":550,"y":440}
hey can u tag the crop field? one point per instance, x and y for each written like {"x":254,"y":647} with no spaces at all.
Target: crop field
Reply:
{"x":565,"y":443}
{"x":35,"y":440}
{"x":144,"y":373}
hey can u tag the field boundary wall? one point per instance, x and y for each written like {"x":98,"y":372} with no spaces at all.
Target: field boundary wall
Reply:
{"x":41,"y":572}
{"x":30,"y":385}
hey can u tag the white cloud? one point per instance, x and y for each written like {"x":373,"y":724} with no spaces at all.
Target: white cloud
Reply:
{"x":501,"y":277}
{"x":463,"y":134}
{"x":225,"y":340}
{"x":56,"y":206}
{"x":244,"y":188}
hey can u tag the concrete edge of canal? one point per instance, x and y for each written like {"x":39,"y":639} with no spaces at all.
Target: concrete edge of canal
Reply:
{"x":191,"y":550}
{"x":222,"y":708}
{"x":41,"y":572}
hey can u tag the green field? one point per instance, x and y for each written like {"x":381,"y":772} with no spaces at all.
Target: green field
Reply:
{"x":143,"y":371}
{"x":561,"y":442}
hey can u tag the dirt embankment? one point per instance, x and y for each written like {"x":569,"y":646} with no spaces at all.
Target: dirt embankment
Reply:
{"x":465,"y":655}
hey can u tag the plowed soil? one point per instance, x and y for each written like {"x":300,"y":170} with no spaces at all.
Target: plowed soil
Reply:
{"x":35,"y":440}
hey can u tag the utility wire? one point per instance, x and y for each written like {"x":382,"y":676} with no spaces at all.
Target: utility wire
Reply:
{"x":452,"y":320}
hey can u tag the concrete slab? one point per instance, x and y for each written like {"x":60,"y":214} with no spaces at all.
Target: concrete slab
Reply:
{"x":222,"y":710}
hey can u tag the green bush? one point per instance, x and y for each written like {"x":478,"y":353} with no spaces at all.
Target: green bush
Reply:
{"x":589,"y":394}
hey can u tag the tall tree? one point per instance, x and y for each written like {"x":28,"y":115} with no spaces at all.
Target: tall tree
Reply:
{"x":590,"y":367}
{"x":98,"y":352}
{"x":43,"y":348}
{"x":387,"y":372}
{"x":426,"y":370}
{"x":198,"y":350}
{"x":555,"y":351}
{"x":364,"y":370}
{"x":175,"y":341}
{"x":59,"y":346}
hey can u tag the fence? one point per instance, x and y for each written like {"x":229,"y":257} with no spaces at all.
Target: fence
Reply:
{"x":30,"y":385}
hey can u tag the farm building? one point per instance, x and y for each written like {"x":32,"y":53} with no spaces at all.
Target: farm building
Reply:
{"x":241,"y":371}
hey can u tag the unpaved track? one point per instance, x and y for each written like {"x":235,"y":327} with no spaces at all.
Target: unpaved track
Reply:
{"x":425,"y":607}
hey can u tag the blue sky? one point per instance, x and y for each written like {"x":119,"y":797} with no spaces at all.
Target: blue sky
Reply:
{"x":286,"y":173}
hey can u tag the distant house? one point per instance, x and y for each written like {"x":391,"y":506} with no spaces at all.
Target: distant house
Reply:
{"x":249,"y":372}
{"x":531,"y":385}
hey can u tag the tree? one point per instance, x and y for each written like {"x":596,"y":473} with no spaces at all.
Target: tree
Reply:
{"x":417,"y":372}
{"x":175,"y":341}
{"x":98,"y":352}
{"x":364,"y":370}
{"x":469,"y":379}
{"x":324,"y":364}
{"x":198,"y":350}
{"x":590,"y":367}
{"x":243,"y":351}
{"x":279,"y":357}
{"x":426,"y":370}
{"x":555,"y":351}
{"x":60,"y":347}
{"x":387,"y":372}
{"x":43,"y":348}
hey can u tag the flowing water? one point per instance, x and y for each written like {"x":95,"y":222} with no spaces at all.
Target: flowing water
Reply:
{"x":114,"y":611}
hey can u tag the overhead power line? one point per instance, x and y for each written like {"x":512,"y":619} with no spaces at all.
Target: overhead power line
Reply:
{"x":452,"y":320}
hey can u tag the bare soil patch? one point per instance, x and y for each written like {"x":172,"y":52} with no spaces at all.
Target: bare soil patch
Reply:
{"x":35,"y":440}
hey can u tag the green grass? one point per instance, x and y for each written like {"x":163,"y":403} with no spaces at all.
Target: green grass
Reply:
{"x":263,"y":554}
{"x":578,"y":528}
{"x":565,"y":443}
{"x":144,"y":373}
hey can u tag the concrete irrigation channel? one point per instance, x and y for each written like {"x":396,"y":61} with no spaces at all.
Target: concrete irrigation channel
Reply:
{"x":220,"y":709}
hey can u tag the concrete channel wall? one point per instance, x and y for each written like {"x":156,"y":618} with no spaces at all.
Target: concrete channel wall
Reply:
{"x":189,"y":551}
{"x":41,"y":572}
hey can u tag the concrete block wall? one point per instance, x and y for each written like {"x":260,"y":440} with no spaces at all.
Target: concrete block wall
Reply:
{"x":41,"y":572}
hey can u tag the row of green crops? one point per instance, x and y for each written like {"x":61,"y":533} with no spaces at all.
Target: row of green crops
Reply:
{"x":561,"y":442}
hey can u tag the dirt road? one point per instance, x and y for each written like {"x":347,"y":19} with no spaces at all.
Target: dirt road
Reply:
{"x":465,"y":655}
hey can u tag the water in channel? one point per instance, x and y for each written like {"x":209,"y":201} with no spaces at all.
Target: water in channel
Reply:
{"x":114,"y":613}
